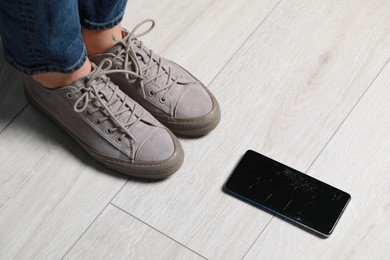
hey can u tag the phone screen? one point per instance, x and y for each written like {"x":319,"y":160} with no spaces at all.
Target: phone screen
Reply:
{"x":288,"y":193}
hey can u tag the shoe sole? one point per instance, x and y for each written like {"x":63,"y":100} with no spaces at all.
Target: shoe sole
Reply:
{"x":197,"y":126}
{"x":148,"y":170}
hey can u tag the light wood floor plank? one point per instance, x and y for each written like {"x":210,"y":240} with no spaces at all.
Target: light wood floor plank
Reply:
{"x":284,"y":94}
{"x":50,"y":190}
{"x":116,"y":235}
{"x":357,"y":160}
{"x":200,"y":35}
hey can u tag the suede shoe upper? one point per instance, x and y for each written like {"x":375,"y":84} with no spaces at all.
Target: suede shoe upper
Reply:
{"x":105,"y":119}
{"x":161,"y":86}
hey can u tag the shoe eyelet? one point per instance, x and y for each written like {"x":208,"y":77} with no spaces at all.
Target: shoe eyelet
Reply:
{"x":108,"y":131}
{"x":98,"y":121}
{"x":117,"y":67}
{"x":151,"y":93}
{"x":119,"y":139}
{"x":69,"y":95}
{"x":88,"y":112}
{"x":162,"y":100}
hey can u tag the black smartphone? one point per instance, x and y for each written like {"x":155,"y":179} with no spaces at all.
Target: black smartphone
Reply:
{"x":291,"y":194}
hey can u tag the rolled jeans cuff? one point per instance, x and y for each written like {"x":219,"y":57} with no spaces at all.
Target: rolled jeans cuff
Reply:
{"x":40,"y":38}
{"x":101,"y":26}
{"x":45,"y":68}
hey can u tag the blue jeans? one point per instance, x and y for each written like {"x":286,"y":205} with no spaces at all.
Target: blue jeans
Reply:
{"x":45,"y":35}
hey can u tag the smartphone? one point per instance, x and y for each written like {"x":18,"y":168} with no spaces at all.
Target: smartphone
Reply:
{"x":288,"y":193}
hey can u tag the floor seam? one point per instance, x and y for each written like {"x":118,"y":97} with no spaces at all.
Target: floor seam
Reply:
{"x":272,"y":217}
{"x":94,"y":220}
{"x":157,"y":230}
{"x":244,"y":42}
{"x":13,"y":119}
{"x":349,"y":113}
{"x":327,"y":143}
{"x":110,"y":202}
{"x":220,"y":71}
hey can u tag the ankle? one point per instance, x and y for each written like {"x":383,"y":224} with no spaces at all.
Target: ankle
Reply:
{"x":54,"y":80}
{"x":101,"y":41}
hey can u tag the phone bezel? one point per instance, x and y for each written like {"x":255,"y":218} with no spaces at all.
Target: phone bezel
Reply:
{"x":321,"y":233}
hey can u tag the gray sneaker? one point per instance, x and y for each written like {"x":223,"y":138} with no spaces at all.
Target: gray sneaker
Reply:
{"x":109,"y":125}
{"x":166,"y":90}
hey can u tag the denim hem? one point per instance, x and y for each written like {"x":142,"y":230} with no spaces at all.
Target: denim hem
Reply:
{"x":48,"y":68}
{"x":101,"y":26}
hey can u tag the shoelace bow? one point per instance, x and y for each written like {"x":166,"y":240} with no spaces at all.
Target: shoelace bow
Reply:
{"x":128,"y":54}
{"x":91,"y":94}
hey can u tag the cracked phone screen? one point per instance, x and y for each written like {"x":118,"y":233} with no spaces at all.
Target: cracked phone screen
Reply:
{"x":287,"y":192}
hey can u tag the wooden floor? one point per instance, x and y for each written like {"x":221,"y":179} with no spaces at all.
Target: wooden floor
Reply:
{"x":304,"y":82}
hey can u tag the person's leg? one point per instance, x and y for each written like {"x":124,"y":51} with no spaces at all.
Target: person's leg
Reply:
{"x":100,"y":22}
{"x":100,"y":41}
{"x":55,"y":80}
{"x":43,"y":39}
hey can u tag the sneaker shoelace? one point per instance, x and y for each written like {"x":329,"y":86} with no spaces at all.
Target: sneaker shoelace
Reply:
{"x":129,"y":56}
{"x":91,"y":94}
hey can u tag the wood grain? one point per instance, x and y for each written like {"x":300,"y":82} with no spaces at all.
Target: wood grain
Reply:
{"x":284,"y":94}
{"x":50,"y":190}
{"x":200,"y":35}
{"x":133,"y":240}
{"x":356,"y":160}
